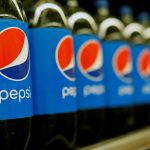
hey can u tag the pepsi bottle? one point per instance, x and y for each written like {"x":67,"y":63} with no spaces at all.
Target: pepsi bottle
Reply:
{"x":55,"y":122}
{"x":117,"y":70}
{"x":140,"y":52}
{"x":16,"y":107}
{"x":143,"y":112}
{"x":89,"y":75}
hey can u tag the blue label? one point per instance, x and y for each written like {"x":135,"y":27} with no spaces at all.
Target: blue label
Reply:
{"x":141,"y":73}
{"x":89,"y":72}
{"x":118,"y":69}
{"x":53,"y":66}
{"x":15,"y":79}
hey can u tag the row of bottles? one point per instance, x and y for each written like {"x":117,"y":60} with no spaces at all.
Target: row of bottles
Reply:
{"x":89,"y":78}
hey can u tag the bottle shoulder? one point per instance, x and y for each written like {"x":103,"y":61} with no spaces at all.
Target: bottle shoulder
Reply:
{"x":47,"y":14}
{"x":12,"y":9}
{"x":134,"y":32}
{"x":82,"y":22}
{"x":111,"y":28}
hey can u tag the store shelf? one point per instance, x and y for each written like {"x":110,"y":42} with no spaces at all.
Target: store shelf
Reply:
{"x":138,"y":140}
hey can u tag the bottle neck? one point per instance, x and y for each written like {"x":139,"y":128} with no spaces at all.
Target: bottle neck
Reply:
{"x":47,"y":13}
{"x":103,"y":12}
{"x":134,"y":33}
{"x":127,"y":19}
{"x":113,"y":34}
{"x":82,"y":23}
{"x":111,"y":29}
{"x":73,"y":3}
{"x":146,"y":35}
{"x":12,"y":9}
{"x":137,"y":39}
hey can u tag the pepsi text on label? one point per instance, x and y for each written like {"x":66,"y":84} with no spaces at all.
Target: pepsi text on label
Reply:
{"x":22,"y":94}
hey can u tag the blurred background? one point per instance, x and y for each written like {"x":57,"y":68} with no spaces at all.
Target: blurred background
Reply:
{"x":137,"y":5}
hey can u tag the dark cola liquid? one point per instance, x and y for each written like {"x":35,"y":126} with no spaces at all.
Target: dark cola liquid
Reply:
{"x":15,"y":134}
{"x":53,"y":132}
{"x":142,"y":116}
{"x":91,"y":126}
{"x":119,"y":121}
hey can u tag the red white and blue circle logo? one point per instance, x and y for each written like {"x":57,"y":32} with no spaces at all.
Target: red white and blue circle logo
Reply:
{"x":65,"y":58}
{"x":90,"y":60}
{"x":144,"y":64}
{"x":14,"y":53}
{"x":122,"y":63}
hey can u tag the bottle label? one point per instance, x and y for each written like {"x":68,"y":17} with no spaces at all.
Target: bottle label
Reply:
{"x":15,"y":78}
{"x":141,"y":73}
{"x":89,"y":72}
{"x":52,"y":56}
{"x":118,"y":74}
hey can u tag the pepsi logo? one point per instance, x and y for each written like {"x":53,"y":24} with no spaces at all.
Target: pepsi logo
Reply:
{"x":90,"y":60}
{"x":14,"y":53}
{"x":144,"y":64}
{"x":122,"y":63}
{"x":65,"y":58}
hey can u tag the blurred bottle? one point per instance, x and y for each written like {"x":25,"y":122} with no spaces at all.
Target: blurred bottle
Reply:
{"x":141,"y":59}
{"x":15,"y":91}
{"x":144,"y":19}
{"x":89,"y":73}
{"x":126,"y":14}
{"x":117,"y":70}
{"x":55,"y":123}
{"x":143,"y":112}
{"x":127,"y":17}
{"x":102,"y":10}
